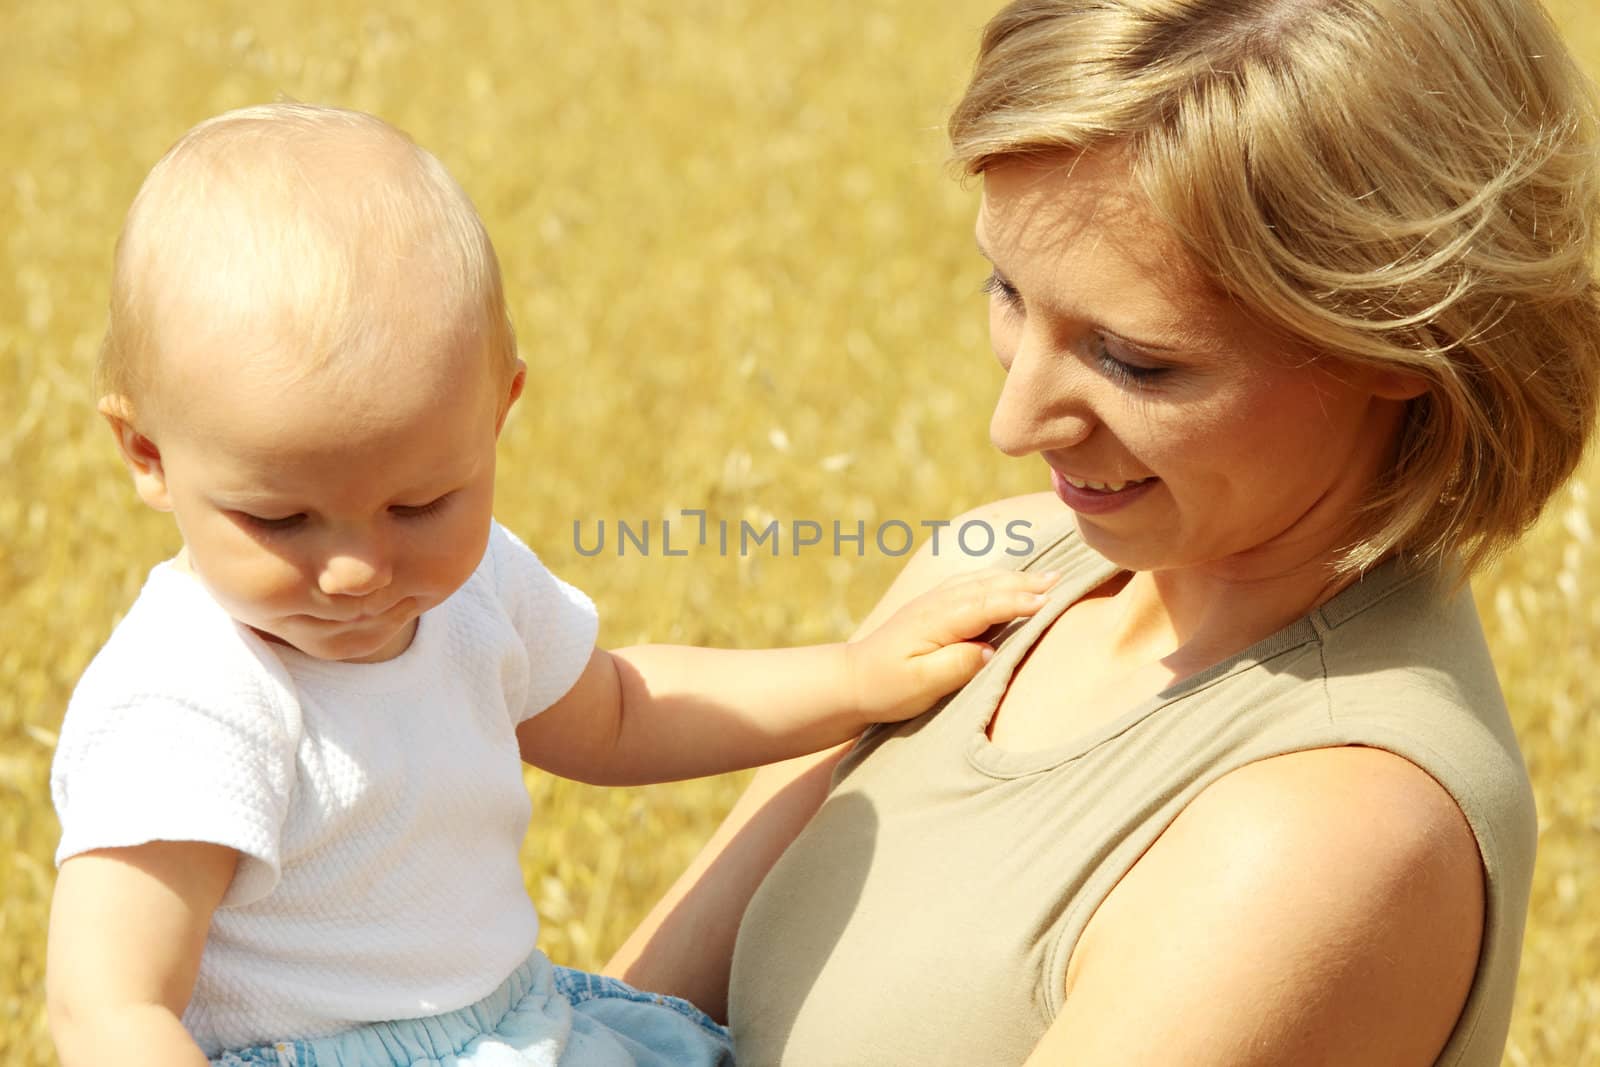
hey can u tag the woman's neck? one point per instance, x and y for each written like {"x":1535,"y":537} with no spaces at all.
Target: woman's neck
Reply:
{"x":1193,"y":618}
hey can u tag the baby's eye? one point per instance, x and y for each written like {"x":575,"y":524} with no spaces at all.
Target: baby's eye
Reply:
{"x":418,"y":511}
{"x":272,"y":525}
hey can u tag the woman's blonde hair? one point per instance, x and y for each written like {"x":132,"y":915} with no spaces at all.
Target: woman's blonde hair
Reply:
{"x":313,"y":225}
{"x":1402,"y":184}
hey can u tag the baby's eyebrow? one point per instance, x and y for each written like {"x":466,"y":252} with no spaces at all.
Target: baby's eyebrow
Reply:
{"x":248,"y":499}
{"x":246,"y":492}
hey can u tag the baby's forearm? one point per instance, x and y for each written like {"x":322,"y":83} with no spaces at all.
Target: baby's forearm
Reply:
{"x":131,"y":1035}
{"x":688,"y":712}
{"x":655,"y":713}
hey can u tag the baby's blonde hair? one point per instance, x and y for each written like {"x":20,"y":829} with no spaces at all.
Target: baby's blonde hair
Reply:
{"x":1400,"y":184}
{"x":312,"y":225}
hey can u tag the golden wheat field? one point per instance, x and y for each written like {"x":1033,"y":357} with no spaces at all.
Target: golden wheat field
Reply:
{"x":743,"y":280}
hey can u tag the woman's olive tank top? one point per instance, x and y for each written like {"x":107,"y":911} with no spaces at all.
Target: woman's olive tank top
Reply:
{"x":927,"y":914}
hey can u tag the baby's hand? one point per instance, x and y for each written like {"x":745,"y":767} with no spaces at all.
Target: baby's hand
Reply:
{"x":924,"y":650}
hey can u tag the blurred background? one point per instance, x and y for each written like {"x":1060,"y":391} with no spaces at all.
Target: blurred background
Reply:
{"x":744,"y":281}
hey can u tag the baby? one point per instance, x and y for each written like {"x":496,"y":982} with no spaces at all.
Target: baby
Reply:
{"x":289,"y":785}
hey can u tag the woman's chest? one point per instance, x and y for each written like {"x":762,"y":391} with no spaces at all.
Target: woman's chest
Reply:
{"x":899,"y":929}
{"x":1070,"y":683}
{"x":931,"y":909}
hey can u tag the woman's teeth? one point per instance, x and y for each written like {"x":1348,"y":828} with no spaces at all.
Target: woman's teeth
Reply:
{"x":1102,"y":487}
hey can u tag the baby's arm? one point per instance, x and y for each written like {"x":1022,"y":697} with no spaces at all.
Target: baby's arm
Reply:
{"x":656,"y":713}
{"x":127,"y":926}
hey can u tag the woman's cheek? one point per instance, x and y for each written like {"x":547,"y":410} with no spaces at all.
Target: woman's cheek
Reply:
{"x":1002,"y":334}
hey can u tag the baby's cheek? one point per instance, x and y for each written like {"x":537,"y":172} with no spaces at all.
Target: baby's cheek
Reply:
{"x":251,"y":576}
{"x":274,"y":583}
{"x":451,"y":552}
{"x":445,"y":572}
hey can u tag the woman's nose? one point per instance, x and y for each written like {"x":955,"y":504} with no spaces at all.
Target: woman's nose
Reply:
{"x":1041,"y":405}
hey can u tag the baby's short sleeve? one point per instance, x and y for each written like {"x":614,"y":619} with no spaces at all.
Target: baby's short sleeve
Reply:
{"x":557,"y":622}
{"x":179,"y":741}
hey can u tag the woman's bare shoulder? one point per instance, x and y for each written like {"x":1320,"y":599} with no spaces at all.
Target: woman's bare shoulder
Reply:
{"x":1324,"y":906}
{"x":1007,"y":525}
{"x":1036,"y":509}
{"x":946,"y":554}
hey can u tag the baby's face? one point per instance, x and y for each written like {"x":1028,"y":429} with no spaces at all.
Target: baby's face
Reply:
{"x":326,"y":512}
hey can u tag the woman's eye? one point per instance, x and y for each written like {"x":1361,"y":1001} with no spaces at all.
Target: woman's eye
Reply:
{"x":1124,"y":365}
{"x":997,"y":286}
{"x":419,"y":511}
{"x":281,"y":524}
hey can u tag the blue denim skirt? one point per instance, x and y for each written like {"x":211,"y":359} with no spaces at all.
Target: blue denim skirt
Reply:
{"x":541,"y":1016}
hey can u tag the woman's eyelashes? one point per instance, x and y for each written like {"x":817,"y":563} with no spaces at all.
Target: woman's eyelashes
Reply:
{"x":1124,"y":366}
{"x":1113,"y":357}
{"x":997,"y":286}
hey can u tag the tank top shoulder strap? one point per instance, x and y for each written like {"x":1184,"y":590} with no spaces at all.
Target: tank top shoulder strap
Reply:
{"x":1054,"y":544}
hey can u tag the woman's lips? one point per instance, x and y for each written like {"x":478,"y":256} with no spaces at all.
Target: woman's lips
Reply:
{"x":1102,"y":487}
{"x":1097,"y":498}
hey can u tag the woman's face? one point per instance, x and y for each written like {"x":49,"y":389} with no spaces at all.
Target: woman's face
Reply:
{"x":1183,"y":433}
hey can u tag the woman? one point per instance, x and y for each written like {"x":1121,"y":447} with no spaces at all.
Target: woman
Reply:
{"x":1295,"y":303}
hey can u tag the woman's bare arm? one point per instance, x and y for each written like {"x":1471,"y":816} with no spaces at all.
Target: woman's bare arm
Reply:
{"x":684,"y":947}
{"x":1323,"y":907}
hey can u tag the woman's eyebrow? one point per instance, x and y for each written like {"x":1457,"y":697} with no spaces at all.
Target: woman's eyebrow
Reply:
{"x":1131,"y":342}
{"x":1145,"y":346}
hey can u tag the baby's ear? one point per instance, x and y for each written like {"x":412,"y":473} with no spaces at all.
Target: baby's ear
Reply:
{"x":518,"y":378}
{"x":138,"y":452}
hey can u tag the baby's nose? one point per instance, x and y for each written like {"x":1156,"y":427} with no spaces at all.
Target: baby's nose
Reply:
{"x":353,"y":575}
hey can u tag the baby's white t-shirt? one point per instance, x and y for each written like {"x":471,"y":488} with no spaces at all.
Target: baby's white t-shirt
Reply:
{"x":378,"y":808}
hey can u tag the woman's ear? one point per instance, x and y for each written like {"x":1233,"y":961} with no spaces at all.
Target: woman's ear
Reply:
{"x":518,"y":378}
{"x":138,"y":452}
{"x":1384,"y":381}
{"x":1397,"y":384}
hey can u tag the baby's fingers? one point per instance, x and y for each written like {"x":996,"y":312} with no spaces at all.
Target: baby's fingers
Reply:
{"x":926,"y":650}
{"x":949,"y":668}
{"x":966,"y":607}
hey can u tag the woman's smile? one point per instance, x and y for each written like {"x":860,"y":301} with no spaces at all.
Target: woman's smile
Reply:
{"x":1097,"y":498}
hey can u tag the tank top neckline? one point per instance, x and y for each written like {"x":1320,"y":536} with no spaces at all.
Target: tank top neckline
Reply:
{"x":1085,"y":570}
